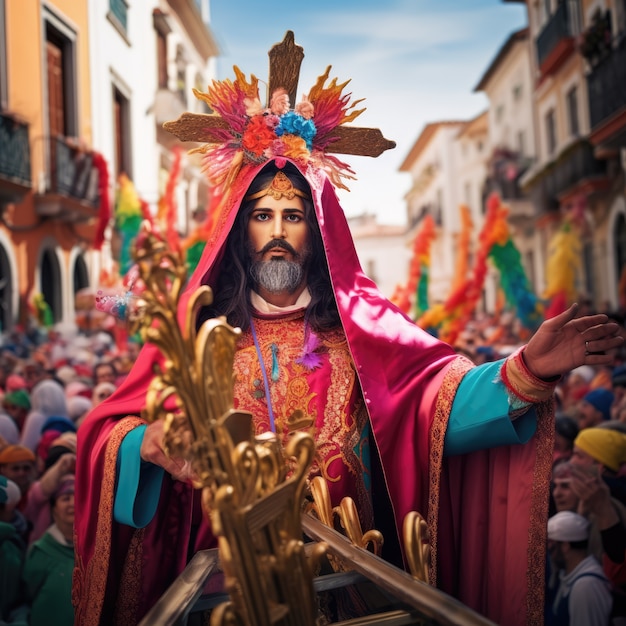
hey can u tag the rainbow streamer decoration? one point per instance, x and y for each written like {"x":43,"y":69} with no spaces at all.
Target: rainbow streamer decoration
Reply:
{"x":563,"y":265}
{"x":419,"y":270}
{"x":497,"y":247}
{"x":515,"y":284}
{"x":129,"y":214}
{"x":420,"y":265}
{"x":167,"y":209}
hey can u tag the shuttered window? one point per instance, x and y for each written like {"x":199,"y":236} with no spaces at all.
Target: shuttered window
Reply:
{"x":56,"y":108}
{"x":121,"y":113}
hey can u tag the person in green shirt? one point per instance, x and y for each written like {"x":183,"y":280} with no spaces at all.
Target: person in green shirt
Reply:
{"x":50,"y":562}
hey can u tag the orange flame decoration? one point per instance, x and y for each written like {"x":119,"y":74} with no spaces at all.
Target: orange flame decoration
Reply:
{"x":463,"y":247}
{"x":167,"y":209}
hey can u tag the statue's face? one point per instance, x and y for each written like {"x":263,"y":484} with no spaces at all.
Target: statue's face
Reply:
{"x":278,"y":241}
{"x":277,"y":229}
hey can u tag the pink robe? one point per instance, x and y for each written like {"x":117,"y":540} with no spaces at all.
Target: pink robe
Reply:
{"x":486,"y":511}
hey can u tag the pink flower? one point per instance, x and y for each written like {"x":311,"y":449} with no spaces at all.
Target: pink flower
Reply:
{"x":305,"y":108}
{"x":279,"y":104}
{"x":253,"y":106}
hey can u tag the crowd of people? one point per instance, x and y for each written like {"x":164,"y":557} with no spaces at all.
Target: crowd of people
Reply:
{"x":50,"y":381}
{"x":586,"y":568}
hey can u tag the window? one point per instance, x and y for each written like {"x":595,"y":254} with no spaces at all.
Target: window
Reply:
{"x":6,"y":291}
{"x":574,"y":17}
{"x":521,"y":143}
{"x":371,"y":269}
{"x":499,"y":112}
{"x":438,"y":216}
{"x":181,"y":79}
{"x":51,"y":283}
{"x":551,"y":132}
{"x":61,"y":80}
{"x":162,"y":59}
{"x":121,"y":113}
{"x":62,"y":100}
{"x":4,"y":88}
{"x":80,"y":274}
{"x":118,"y":12}
{"x":572,"y":111}
{"x":517,"y":93}
{"x":467,"y":192}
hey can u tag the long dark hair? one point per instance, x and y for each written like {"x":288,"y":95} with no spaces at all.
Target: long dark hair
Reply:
{"x":232,"y":291}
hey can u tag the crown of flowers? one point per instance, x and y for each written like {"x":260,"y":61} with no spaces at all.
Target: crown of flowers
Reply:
{"x":258,"y":133}
{"x":242,"y":130}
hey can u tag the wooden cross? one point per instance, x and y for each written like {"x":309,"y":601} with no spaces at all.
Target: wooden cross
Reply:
{"x":285,"y":60}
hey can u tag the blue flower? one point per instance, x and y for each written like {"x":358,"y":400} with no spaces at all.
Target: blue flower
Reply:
{"x":293,"y":124}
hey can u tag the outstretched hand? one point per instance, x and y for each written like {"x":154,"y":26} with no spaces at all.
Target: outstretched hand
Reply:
{"x":566,"y":342}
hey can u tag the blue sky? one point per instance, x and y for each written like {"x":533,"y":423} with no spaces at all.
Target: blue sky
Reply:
{"x":414,"y":62}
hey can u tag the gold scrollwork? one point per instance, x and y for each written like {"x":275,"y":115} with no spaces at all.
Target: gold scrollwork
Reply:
{"x":253,"y":489}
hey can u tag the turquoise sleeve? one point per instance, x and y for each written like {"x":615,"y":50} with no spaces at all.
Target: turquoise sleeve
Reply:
{"x":480,"y":416}
{"x":138,"y":484}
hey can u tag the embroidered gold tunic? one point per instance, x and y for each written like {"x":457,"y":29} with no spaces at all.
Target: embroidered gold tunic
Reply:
{"x":325,"y":401}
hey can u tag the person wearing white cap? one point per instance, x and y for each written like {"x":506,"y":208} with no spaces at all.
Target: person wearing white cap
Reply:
{"x":584,"y":594}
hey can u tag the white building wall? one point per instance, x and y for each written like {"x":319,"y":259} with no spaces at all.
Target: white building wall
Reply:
{"x":130,"y":63}
{"x":513,"y":126}
{"x":511,"y":123}
{"x":382,"y":252}
{"x":471,"y":150}
{"x":447,"y":197}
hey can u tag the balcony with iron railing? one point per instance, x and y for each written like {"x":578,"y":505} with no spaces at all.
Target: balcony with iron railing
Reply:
{"x":15,"y":170}
{"x":430,"y":208}
{"x":574,"y":168}
{"x":71,"y":187}
{"x":505,"y":167}
{"x":555,"y":40}
{"x":606,"y":86}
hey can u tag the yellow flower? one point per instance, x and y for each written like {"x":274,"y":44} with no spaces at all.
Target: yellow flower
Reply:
{"x":295,"y":147}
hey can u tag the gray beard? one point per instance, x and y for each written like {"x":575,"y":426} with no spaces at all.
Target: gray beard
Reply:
{"x":277,"y":276}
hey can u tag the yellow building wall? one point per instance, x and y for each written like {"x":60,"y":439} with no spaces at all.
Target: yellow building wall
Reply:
{"x":26,"y":63}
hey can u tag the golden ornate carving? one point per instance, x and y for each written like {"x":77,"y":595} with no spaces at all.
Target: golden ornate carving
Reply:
{"x":417,"y":546}
{"x":252,"y":489}
{"x":345,"y":518}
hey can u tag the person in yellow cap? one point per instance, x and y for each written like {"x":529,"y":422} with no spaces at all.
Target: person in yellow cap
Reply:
{"x":602,"y":446}
{"x":603,"y":451}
